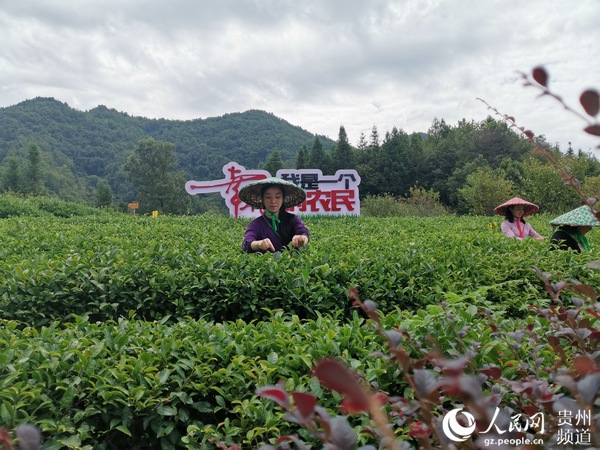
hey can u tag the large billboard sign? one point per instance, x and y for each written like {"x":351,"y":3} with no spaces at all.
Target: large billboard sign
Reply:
{"x":325,"y":194}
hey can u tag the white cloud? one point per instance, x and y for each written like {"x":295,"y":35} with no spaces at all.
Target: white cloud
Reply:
{"x":318,"y":64}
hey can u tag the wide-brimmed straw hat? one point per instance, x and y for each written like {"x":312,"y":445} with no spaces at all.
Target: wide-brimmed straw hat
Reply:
{"x":582,"y":216}
{"x":251,"y":194}
{"x":530,"y":208}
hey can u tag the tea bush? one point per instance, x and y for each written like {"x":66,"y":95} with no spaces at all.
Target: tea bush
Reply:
{"x":149,"y":268}
{"x":420,"y":202}
{"x":137,"y":384}
{"x":15,"y":205}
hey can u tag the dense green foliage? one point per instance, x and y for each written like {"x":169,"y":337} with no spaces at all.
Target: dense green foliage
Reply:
{"x":78,"y":147}
{"x":18,"y":206}
{"x":127,"y":332}
{"x":472,"y":166}
{"x":134,"y":384}
{"x":152,"y":268}
{"x":419,"y":202}
{"x":152,"y":169}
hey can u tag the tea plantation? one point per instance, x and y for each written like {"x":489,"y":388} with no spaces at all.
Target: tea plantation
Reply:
{"x":135,"y":332}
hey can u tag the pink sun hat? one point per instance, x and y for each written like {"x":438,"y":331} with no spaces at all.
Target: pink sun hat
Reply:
{"x":530,"y":208}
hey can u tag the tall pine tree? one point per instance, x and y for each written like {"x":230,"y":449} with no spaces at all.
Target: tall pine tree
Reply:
{"x":374,"y":143}
{"x":362,"y":142}
{"x":34,"y":173}
{"x":274,"y":162}
{"x":395,"y":163}
{"x":11,"y":179}
{"x":342,"y":157}
{"x":302,"y":158}
{"x":104,"y":196}
{"x":317,"y":157}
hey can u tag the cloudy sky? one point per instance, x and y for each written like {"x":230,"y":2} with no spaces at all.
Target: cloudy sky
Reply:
{"x":317,"y":64}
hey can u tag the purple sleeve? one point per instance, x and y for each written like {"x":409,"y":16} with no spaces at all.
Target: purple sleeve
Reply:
{"x":252,"y":234}
{"x":300,"y":228}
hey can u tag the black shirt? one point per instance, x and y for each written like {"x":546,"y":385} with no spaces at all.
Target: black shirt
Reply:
{"x":563,"y":240}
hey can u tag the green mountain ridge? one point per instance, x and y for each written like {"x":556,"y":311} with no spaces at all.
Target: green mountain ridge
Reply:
{"x":80,"y":147}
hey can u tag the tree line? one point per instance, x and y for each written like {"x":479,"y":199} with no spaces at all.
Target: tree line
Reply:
{"x":469,"y":168}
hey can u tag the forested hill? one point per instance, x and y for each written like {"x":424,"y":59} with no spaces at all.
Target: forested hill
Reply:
{"x":78,"y":145}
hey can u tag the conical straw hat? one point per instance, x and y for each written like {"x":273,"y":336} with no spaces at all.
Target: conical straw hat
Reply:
{"x":582,"y":216}
{"x":251,"y":193}
{"x":530,"y":208}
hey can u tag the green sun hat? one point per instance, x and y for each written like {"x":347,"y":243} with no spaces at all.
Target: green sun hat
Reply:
{"x":251,"y":193}
{"x":582,"y":216}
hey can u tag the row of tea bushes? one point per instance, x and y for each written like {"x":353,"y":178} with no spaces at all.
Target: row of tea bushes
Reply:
{"x":137,"y":384}
{"x":193,"y":266}
{"x":15,"y":205}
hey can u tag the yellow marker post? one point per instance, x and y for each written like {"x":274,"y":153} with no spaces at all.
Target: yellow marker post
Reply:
{"x":155,"y":214}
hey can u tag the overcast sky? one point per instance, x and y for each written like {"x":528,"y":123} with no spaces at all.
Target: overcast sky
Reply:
{"x":317,"y":64}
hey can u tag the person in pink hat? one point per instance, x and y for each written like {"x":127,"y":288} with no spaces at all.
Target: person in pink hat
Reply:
{"x":514,"y":225}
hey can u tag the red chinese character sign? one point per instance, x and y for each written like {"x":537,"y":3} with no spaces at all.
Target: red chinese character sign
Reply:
{"x":325,"y":194}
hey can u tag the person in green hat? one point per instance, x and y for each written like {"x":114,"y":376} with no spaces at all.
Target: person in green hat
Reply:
{"x":570,"y":229}
{"x":276,"y":228}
